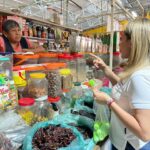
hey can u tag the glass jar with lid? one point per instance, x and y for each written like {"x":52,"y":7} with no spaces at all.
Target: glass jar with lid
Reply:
{"x":66,"y":79}
{"x":26,"y":109}
{"x":37,"y":86}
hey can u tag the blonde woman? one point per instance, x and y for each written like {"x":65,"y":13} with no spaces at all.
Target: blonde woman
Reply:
{"x":130,"y":101}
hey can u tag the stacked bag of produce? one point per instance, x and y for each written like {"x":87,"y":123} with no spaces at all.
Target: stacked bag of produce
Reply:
{"x":65,"y":132}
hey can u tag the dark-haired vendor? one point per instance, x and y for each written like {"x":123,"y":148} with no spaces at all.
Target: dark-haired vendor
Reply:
{"x":12,"y":41}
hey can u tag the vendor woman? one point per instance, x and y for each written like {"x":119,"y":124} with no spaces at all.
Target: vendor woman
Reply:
{"x":12,"y":40}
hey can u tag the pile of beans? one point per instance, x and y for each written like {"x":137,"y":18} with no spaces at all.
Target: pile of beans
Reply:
{"x":52,"y":138}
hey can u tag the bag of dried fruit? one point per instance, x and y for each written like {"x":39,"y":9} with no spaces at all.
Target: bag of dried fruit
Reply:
{"x":83,"y":124}
{"x":53,"y":135}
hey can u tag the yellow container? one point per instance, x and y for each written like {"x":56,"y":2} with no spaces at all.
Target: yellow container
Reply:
{"x":19,"y":78}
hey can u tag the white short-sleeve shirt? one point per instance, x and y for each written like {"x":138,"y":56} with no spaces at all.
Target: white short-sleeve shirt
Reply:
{"x":134,"y":93}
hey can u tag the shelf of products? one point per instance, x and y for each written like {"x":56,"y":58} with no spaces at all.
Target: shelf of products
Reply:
{"x":39,"y":20}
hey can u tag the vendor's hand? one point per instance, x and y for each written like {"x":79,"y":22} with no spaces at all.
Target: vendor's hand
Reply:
{"x":101,"y":97}
{"x":98,"y":62}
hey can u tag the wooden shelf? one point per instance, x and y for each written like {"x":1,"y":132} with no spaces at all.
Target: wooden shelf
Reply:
{"x":39,"y":20}
{"x":37,"y":38}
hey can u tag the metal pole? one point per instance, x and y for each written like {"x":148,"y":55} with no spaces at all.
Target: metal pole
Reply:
{"x":112,"y":35}
{"x":67,"y":12}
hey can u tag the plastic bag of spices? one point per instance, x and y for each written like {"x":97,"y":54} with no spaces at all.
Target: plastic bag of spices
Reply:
{"x":83,"y":124}
{"x":76,"y":144}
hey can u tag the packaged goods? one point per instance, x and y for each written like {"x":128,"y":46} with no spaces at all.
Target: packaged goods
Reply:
{"x":13,"y":94}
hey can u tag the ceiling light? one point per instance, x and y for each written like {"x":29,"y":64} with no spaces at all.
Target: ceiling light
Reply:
{"x":134,"y":14}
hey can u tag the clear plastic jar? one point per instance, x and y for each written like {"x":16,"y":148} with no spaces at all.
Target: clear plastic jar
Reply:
{"x":32,"y":69}
{"x":81,"y":67}
{"x":43,"y":111}
{"x":26,"y":109}
{"x":71,"y":63}
{"x":37,"y":86}
{"x":57,"y":105}
{"x":22,"y":59}
{"x":54,"y":81}
{"x":76,"y":93}
{"x":47,"y":57}
{"x":66,"y":79}
{"x":6,"y":67}
{"x":20,"y":82}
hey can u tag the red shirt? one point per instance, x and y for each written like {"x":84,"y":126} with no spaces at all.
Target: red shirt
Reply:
{"x":18,"y":48}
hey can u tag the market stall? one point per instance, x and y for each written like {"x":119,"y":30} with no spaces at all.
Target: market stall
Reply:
{"x":46,"y":95}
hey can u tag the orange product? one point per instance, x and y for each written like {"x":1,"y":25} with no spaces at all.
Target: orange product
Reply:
{"x":32,"y":69}
{"x":22,"y":59}
{"x":46,"y":57}
{"x":57,"y":65}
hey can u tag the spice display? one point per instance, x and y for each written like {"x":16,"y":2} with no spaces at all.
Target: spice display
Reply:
{"x":37,"y":86}
{"x":52,"y":138}
{"x":54,"y":83}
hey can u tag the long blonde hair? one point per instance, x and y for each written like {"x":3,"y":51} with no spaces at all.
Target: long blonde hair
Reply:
{"x":138,"y":31}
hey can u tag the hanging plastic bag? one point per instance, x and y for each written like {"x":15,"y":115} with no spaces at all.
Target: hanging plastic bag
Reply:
{"x":76,"y":144}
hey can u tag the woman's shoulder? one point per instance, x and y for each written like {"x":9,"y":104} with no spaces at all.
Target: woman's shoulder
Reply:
{"x":142,"y":72}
